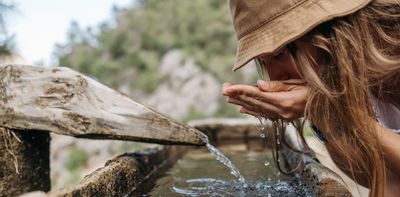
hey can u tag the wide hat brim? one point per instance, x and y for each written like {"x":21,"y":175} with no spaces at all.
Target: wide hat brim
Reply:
{"x":291,"y":25}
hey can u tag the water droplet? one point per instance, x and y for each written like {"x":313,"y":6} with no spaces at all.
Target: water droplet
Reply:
{"x":263,"y":122}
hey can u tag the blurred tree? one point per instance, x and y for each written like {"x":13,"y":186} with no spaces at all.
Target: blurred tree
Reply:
{"x":6,"y":41}
{"x":137,"y":38}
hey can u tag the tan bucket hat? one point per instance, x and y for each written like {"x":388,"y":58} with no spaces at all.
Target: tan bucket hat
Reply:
{"x":263,"y":26}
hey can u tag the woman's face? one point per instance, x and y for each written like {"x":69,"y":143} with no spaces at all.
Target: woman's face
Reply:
{"x":281,"y":66}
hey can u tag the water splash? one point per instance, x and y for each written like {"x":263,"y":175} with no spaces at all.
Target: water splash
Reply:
{"x":203,"y":176}
{"x":215,"y":187}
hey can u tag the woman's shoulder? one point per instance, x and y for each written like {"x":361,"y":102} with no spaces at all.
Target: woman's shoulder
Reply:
{"x":387,"y":114}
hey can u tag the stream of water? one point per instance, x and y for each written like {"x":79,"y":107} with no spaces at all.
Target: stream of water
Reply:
{"x":224,"y":160}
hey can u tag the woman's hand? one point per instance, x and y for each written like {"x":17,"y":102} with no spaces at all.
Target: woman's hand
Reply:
{"x":274,"y":99}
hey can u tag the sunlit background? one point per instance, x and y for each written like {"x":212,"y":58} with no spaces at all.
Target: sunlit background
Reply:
{"x":170,"y":54}
{"x":39,"y":24}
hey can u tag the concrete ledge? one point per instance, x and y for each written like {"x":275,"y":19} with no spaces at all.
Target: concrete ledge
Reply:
{"x":127,"y":173}
{"x":225,"y":131}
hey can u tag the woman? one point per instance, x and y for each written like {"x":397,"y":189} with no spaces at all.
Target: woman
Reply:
{"x":336,"y":63}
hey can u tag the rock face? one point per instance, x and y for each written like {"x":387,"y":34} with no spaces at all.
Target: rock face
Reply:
{"x":185,"y":88}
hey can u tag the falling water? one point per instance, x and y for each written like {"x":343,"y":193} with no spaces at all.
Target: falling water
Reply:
{"x":263,"y":133}
{"x":223,"y":159}
{"x":263,"y":125}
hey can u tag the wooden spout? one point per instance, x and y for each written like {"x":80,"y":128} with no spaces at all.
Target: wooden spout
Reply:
{"x":64,"y":101}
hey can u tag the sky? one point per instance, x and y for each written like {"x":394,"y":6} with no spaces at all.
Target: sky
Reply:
{"x":39,"y":24}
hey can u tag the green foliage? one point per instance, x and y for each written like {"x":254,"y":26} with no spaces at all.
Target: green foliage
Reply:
{"x":6,"y":41}
{"x":53,"y":182}
{"x":193,"y":114}
{"x":73,"y":177}
{"x":127,"y":51}
{"x":77,"y":158}
{"x":137,"y":38}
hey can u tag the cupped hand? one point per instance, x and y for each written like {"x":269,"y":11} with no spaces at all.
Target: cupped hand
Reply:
{"x":274,"y":99}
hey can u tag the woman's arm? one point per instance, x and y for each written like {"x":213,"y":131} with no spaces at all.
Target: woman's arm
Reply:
{"x":391,"y":147}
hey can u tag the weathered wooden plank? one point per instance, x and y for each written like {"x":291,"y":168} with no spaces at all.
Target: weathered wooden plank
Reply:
{"x":64,"y":101}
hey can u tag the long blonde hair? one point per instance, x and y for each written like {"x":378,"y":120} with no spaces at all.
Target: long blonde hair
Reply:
{"x":361,"y":60}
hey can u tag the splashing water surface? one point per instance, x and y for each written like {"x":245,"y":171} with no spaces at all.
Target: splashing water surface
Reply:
{"x":199,"y":174}
{"x":201,"y":177}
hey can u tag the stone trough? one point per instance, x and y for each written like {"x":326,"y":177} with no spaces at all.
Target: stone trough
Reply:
{"x":135,"y":173}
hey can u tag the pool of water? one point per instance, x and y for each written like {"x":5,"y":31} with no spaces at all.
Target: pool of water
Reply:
{"x":198,"y":173}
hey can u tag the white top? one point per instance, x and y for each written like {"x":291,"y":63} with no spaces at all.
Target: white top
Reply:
{"x":387,"y":114}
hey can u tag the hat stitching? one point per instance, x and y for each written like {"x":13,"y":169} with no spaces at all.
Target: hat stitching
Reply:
{"x":272,"y":18}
